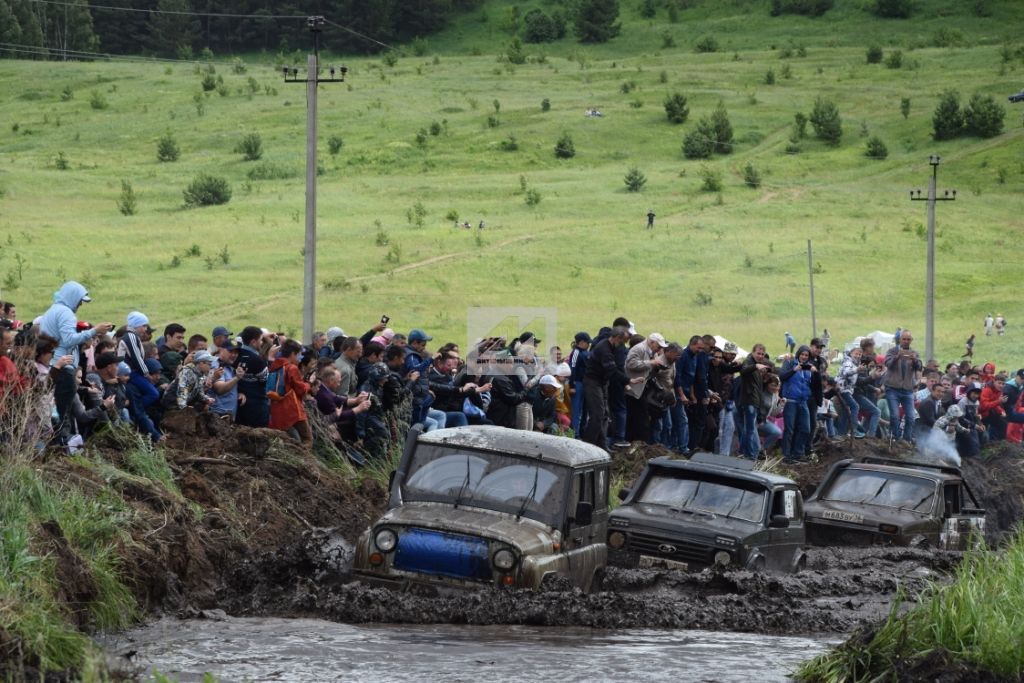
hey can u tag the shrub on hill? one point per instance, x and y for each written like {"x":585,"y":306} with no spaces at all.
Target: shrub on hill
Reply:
{"x":595,"y":21}
{"x":696,"y":145}
{"x":895,"y":9}
{"x":720,"y":130}
{"x":811,"y":8}
{"x":167,"y":148}
{"x":984,"y":116}
{"x":948,"y":119}
{"x":564,"y":148}
{"x":874,"y":55}
{"x":675,"y":108}
{"x":825,"y":119}
{"x":894,"y":60}
{"x":751,"y":176}
{"x":635,"y":180}
{"x":876,"y":149}
{"x":706,"y":44}
{"x":250,"y":147}
{"x":539,"y":27}
{"x":207,"y":190}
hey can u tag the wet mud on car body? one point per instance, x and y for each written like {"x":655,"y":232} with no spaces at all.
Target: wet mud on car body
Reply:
{"x":711,"y":509}
{"x":486,"y":506}
{"x":894,"y":502}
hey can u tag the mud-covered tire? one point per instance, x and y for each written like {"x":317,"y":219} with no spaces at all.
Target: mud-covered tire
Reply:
{"x":597,"y":581}
{"x":801,"y":564}
{"x":758,"y":565}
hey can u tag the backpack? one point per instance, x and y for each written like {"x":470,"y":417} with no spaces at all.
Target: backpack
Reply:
{"x":275,"y":385}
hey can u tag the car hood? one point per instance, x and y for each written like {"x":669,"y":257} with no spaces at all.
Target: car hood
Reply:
{"x":871,"y":515}
{"x":657,"y":517}
{"x":528,"y":535}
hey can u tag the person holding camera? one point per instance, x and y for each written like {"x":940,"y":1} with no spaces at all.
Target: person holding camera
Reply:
{"x":902,"y":364}
{"x":796,"y":389}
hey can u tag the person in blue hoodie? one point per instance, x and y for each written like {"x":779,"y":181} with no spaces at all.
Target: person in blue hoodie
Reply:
{"x":796,"y":389}
{"x":59,"y":325}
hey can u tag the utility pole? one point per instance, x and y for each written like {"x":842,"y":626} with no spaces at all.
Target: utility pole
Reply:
{"x":312,"y":80}
{"x":929,"y":305}
{"x":810,"y":274}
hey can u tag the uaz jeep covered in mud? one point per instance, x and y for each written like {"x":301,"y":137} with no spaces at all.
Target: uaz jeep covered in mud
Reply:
{"x":894,"y":502}
{"x":489,"y":506}
{"x":711,"y":509}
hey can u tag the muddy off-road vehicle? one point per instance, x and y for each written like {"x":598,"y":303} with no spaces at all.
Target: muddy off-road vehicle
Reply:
{"x":489,"y":506}
{"x":711,"y":509}
{"x":894,"y":502}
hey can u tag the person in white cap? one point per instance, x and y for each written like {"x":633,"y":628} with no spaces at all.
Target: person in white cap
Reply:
{"x":130,"y":348}
{"x":641,"y":361}
{"x":189,"y":387}
{"x":544,"y":404}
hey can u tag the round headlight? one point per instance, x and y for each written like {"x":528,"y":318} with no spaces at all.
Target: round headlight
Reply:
{"x":616,"y":540}
{"x":504,"y":560}
{"x":386,"y":540}
{"x":723,"y":558}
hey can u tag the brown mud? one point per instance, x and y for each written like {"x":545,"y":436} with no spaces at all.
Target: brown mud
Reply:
{"x":264,"y":528}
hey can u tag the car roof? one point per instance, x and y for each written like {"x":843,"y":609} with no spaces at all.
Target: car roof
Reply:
{"x":559,"y":449}
{"x":908,"y":469}
{"x":765,"y":478}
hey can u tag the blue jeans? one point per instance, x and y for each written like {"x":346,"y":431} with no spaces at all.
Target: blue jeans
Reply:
{"x":896,"y":398}
{"x":577,"y":409}
{"x":680,"y":427}
{"x":771,"y":434}
{"x":435,"y":419}
{"x":797,"y":430}
{"x":726,"y":429}
{"x":455,"y":419}
{"x":868,"y":406}
{"x":850,"y":424}
{"x":750,"y":441}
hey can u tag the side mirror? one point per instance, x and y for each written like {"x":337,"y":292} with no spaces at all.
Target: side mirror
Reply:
{"x":624,"y":493}
{"x":584,"y":513}
{"x":779,"y":522}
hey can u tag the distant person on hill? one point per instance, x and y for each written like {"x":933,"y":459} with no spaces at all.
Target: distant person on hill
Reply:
{"x":1000,"y":324}
{"x":650,"y":218}
{"x":826,"y":338}
{"x":989,"y":322}
{"x":969,"y":348}
{"x":790,"y":344}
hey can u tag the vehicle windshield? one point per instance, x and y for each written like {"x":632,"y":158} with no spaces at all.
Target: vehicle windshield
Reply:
{"x":494,"y":481}
{"x":739,"y":500}
{"x":884,"y":489}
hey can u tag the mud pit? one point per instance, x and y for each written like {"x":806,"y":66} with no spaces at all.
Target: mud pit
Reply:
{"x":841,"y":589}
{"x":276,"y":528}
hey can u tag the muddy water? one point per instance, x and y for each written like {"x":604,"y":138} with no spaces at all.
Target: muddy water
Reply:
{"x":270,"y":649}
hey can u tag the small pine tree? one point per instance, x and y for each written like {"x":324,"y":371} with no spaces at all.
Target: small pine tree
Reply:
{"x":876,"y":149}
{"x":905,"y":106}
{"x":828,"y":125}
{"x":127,"y":204}
{"x":984,"y":116}
{"x":334,"y":144}
{"x":799,"y":125}
{"x":696,"y":145}
{"x":545,"y":104}
{"x":167,"y":148}
{"x":675,"y":108}
{"x":564,"y":148}
{"x":874,"y":55}
{"x":648,"y":9}
{"x":711,"y":179}
{"x":206,"y":190}
{"x":635,"y":180}
{"x":769,"y":77}
{"x":721,"y":130}
{"x":948,"y":119}
{"x":751,"y":176}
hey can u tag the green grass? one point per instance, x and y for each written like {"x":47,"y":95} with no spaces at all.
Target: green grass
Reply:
{"x":582,"y":249}
{"x":975,"y":619}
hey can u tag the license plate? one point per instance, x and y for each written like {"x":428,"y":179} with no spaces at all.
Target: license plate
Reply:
{"x":647,"y":562}
{"x":843,"y":516}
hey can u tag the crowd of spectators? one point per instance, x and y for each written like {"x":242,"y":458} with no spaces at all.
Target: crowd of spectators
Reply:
{"x":613,"y":389}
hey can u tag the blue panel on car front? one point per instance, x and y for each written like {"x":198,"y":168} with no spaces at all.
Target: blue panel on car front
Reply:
{"x":443,"y":554}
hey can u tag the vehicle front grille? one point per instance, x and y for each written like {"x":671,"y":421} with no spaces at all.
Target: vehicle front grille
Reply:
{"x":684,"y":550}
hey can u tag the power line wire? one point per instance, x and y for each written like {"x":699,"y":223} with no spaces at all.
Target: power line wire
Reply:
{"x":54,"y":51}
{"x":357,"y":33}
{"x":176,"y":12}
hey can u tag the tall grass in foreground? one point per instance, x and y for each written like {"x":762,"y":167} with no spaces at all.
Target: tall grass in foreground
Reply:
{"x":978,"y":620}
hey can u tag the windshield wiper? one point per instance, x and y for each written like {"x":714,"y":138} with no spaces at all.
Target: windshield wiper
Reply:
{"x":733,"y":508}
{"x":875,"y":494}
{"x":465,"y":483}
{"x":930,"y":495}
{"x":529,"y":496}
{"x":693,"y":495}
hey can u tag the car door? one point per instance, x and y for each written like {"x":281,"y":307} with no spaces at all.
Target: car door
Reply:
{"x":787,"y":542}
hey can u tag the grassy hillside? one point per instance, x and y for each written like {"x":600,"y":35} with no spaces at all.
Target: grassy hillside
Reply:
{"x":730,"y":262}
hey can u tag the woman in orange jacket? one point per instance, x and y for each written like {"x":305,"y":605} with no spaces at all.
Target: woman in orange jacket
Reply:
{"x":288,"y":412}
